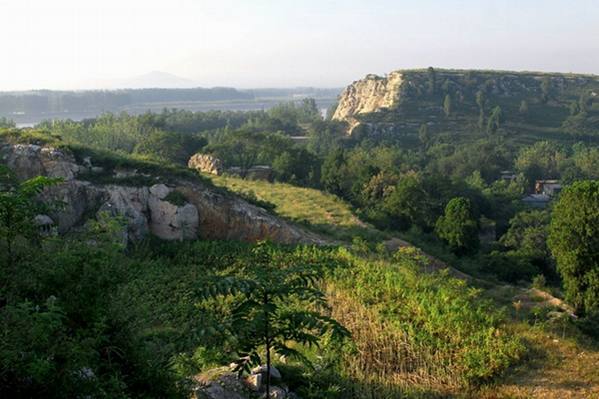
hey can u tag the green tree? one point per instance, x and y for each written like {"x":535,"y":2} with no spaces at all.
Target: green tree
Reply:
{"x":169,"y":146}
{"x":333,"y":176}
{"x":528,"y":234}
{"x":423,"y":135}
{"x":325,"y":136}
{"x":523,"y":107}
{"x":6,"y":123}
{"x":586,"y":160}
{"x":545,"y":89}
{"x":432,"y":80}
{"x":481,"y":101}
{"x":241,"y":148}
{"x":574,"y":242}
{"x":574,"y":108}
{"x":408,"y":203}
{"x":18,"y":208}
{"x":459,"y":226}
{"x":447,"y":105}
{"x":541,"y":160}
{"x":276,"y":302}
{"x":494,"y":121}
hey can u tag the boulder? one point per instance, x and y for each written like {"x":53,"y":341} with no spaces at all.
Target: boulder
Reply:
{"x":160,"y":191}
{"x":73,"y":201}
{"x":274,"y":373}
{"x":219,"y":383}
{"x":277,"y":393}
{"x":206,"y":163}
{"x":132,"y":204}
{"x":58,"y":163}
{"x":169,"y":221}
{"x":30,"y":160}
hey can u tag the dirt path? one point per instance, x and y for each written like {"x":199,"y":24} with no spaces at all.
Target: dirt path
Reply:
{"x":556,"y":369}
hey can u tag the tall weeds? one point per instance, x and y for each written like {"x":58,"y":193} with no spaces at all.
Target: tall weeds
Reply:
{"x":424,"y":334}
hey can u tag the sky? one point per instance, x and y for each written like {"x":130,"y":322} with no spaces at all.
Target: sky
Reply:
{"x":82,"y":44}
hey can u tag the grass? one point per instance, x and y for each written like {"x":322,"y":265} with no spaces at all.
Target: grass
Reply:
{"x":415,"y":329}
{"x":318,"y":211}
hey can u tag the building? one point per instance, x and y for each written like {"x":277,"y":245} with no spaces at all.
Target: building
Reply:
{"x":537,"y":200}
{"x":508,"y":176}
{"x":548,"y":187}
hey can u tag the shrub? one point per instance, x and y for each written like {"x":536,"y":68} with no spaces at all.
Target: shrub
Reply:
{"x":176,"y":198}
{"x":508,"y":266}
{"x":574,"y":241}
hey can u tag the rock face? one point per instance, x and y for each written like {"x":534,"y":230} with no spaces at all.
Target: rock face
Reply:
{"x":368,"y":95}
{"x":206,"y":163}
{"x":404,"y":100}
{"x":181,"y":210}
{"x":170,"y":221}
{"x":29,"y":160}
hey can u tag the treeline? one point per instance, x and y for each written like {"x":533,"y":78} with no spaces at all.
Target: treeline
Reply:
{"x":46,"y":101}
{"x":172,"y":136}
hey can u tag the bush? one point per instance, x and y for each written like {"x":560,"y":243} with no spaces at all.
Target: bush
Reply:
{"x":539,"y":282}
{"x":176,"y":198}
{"x":509,"y":267}
{"x":574,"y":241}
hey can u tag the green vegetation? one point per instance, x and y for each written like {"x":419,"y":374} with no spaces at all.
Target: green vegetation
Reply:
{"x":459,"y":226}
{"x":317,"y":210}
{"x":388,"y":305}
{"x":94,"y":318}
{"x":84,"y":315}
{"x":276,"y":303}
{"x":574,"y":241}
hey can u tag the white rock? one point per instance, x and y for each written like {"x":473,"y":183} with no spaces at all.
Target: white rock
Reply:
{"x":274,"y":373}
{"x":160,"y":191}
{"x":206,"y":163}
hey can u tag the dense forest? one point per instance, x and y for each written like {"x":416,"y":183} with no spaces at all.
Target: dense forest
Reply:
{"x":89,"y":315}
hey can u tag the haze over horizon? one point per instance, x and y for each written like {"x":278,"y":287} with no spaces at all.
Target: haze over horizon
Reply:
{"x":66,"y":44}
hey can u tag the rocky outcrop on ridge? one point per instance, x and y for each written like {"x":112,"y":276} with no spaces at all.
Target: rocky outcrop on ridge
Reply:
{"x":401,"y":101}
{"x":206,"y":163}
{"x":178,"y":210}
{"x":368,"y":95}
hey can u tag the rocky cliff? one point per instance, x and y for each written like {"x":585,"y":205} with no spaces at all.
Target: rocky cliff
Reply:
{"x":370,"y":94}
{"x":176,"y":210}
{"x":403,"y":100}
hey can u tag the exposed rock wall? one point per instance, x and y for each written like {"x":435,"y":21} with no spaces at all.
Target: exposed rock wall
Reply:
{"x":368,"y":95}
{"x":417,"y":96}
{"x":199,"y":211}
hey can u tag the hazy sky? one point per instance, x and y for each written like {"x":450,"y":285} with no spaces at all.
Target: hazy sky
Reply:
{"x":268,"y":43}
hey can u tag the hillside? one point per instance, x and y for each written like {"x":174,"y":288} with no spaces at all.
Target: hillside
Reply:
{"x":532,"y":105}
{"x":319,"y":211}
{"x":168,"y":202}
{"x":559,"y":361}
